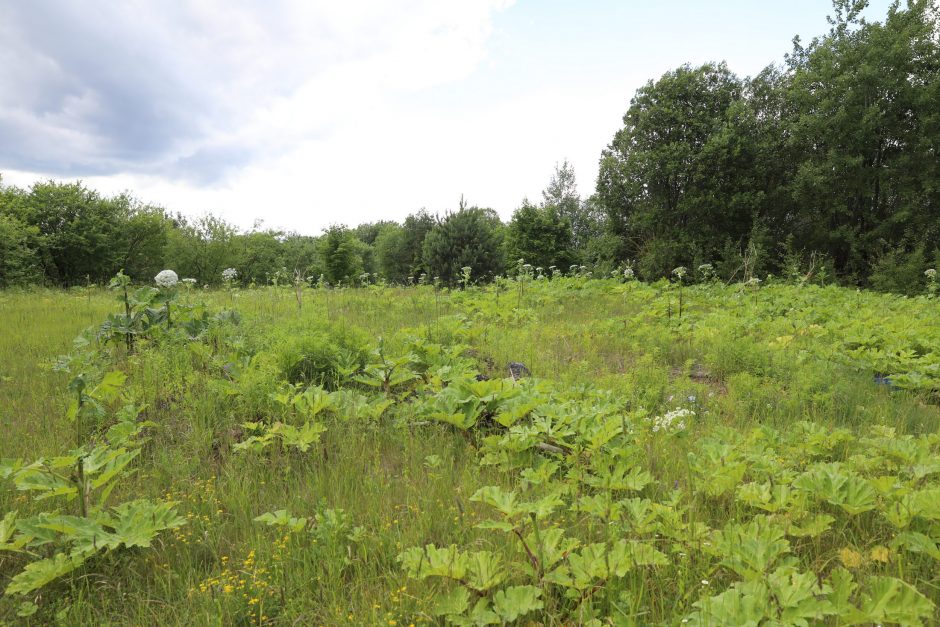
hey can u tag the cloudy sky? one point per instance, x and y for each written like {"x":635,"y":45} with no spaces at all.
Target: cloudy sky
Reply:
{"x":304,"y":113}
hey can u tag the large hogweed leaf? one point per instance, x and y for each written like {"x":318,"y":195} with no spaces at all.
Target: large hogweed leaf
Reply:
{"x":41,"y":572}
{"x":751,"y":549}
{"x":832,"y":483}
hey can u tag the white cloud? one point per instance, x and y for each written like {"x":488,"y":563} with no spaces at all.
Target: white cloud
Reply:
{"x":175,"y":96}
{"x":309,"y":113}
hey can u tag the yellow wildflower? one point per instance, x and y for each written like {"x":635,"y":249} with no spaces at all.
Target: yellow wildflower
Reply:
{"x":880,"y":554}
{"x":850,"y":557}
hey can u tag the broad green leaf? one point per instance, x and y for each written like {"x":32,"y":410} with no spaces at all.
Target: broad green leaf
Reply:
{"x":455,"y":601}
{"x":7,"y":529}
{"x":282,"y":518}
{"x":886,"y":599}
{"x":484,"y":570}
{"x":86,"y":534}
{"x":550,"y":546}
{"x":27,"y":609}
{"x":9,"y":467}
{"x":495,"y":497}
{"x":742,"y":605}
{"x":643,"y":554}
{"x":35,"y":477}
{"x":138,"y":522}
{"x":432,"y":561}
{"x":479,"y":616}
{"x":516,"y":601}
{"x":39,"y":573}
{"x":110,"y":386}
{"x":766,"y":496}
{"x":811,"y":527}
{"x":750,"y":549}
{"x":917,"y":542}
{"x":799,"y":596}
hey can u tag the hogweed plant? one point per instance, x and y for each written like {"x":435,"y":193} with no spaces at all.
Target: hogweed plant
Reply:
{"x":138,"y":316}
{"x":680,"y":274}
{"x":167,"y":281}
{"x":465,"y":273}
{"x":55,"y":543}
{"x":707,"y":272}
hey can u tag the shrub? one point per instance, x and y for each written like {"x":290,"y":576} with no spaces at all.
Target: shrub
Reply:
{"x":324,"y":356}
{"x":900,"y":272}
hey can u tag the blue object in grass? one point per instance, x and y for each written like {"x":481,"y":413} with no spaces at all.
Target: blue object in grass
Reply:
{"x":883,"y":379}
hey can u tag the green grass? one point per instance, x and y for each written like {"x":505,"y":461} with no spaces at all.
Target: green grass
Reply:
{"x":752,"y":359}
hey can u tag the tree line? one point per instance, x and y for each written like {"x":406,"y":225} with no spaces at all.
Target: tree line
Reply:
{"x":827,"y":165}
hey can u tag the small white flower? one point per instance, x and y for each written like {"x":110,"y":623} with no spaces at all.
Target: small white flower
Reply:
{"x":166,"y":278}
{"x":691,"y":398}
{"x":628,"y":274}
{"x":671,"y":421}
{"x":229,"y":274}
{"x":930,"y":273}
{"x":188,"y":281}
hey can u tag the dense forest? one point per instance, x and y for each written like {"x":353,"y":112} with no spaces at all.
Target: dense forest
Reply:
{"x":826,"y":166}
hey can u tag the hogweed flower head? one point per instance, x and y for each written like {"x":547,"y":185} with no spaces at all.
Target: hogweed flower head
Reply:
{"x":229,"y":275}
{"x":672,"y":421}
{"x":166,"y":279}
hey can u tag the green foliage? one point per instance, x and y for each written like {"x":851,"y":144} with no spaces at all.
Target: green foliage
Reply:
{"x":18,"y":261}
{"x":470,"y":237}
{"x":739,"y":464}
{"x":541,"y":236}
{"x":900,"y":271}
{"x":831,"y":151}
{"x":323,"y":357}
{"x":341,"y":255}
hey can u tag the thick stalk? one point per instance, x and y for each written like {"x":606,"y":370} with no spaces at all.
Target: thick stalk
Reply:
{"x":80,"y":464}
{"x":128,"y":337}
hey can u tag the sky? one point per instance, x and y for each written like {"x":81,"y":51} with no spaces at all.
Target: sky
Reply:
{"x":299,"y":114}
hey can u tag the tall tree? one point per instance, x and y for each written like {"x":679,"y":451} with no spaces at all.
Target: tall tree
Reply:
{"x":201,"y":248}
{"x":416,"y":227}
{"x":586,"y":218}
{"x":340,"y":254}
{"x":670,"y":178}
{"x":393,"y":257}
{"x":470,"y":237}
{"x":541,"y":236}
{"x":865,"y":120}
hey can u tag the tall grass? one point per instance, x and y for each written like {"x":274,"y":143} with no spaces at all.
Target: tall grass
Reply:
{"x":404,"y":481}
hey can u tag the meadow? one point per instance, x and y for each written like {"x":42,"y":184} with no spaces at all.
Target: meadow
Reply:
{"x":704,"y":454}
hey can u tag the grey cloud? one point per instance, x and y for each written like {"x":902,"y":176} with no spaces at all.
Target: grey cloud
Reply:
{"x":89,"y":92}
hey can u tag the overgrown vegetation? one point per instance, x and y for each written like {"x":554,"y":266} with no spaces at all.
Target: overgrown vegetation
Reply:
{"x":762,"y":452}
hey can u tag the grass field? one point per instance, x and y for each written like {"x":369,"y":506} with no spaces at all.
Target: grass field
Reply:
{"x":706,"y":454}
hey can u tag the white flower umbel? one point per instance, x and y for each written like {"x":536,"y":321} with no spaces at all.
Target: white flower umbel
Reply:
{"x":672,"y":421}
{"x":229,"y":274}
{"x":166,"y":278}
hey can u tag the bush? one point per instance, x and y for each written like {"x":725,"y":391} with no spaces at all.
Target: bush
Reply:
{"x":900,"y":272}
{"x":321,"y":357}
